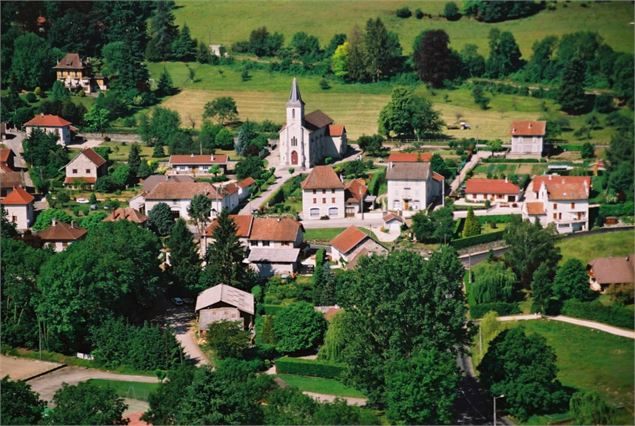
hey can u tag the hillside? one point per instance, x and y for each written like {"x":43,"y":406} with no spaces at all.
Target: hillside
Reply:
{"x":227,"y":21}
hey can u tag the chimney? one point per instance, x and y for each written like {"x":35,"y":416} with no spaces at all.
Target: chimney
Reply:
{"x":212,"y":157}
{"x":192,"y":155}
{"x":550,"y":176}
{"x":530,"y":124}
{"x":506,"y":179}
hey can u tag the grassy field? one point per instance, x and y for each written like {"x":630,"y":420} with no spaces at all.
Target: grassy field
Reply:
{"x":592,"y":360}
{"x":320,"y":385}
{"x":498,"y":169}
{"x":133,"y":390}
{"x":591,"y":246}
{"x":228,"y":21}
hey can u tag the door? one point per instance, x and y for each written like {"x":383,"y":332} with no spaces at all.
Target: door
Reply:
{"x":294,"y":157}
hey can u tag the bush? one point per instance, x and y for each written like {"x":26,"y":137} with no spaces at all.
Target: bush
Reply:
{"x":306,"y":367}
{"x":623,"y":209}
{"x":30,"y":97}
{"x":616,"y":315}
{"x":477,"y":239}
{"x":501,"y":308}
{"x":272,"y":309}
{"x":451,"y":11}
{"x":403,"y":12}
{"x":419,"y":14}
{"x":324,"y":84}
{"x":227,"y":339}
{"x":299,"y":327}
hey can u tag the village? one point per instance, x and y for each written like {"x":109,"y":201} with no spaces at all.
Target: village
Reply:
{"x":304,"y":266}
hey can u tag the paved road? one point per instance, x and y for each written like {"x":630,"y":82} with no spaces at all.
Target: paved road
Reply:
{"x":179,"y":319}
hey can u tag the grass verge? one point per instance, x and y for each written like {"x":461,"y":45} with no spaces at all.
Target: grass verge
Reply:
{"x":133,"y":390}
{"x":320,"y":385}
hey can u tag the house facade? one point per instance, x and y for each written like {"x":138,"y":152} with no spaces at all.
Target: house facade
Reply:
{"x":198,"y":164}
{"x":51,"y":124}
{"x":323,"y":194}
{"x":528,"y":138}
{"x":178,"y":196}
{"x":413,"y":186}
{"x":85,"y":169}
{"x":245,"y":188}
{"x":18,"y":205}
{"x":77,"y":75}
{"x":274,"y":245}
{"x":306,"y":140}
{"x":493,"y":190}
{"x":60,"y":235}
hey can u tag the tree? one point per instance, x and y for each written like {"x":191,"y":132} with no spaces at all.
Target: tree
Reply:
{"x":588,"y":150}
{"x":163,"y":31}
{"x":472,"y":225}
{"x":227,"y":339}
{"x":162,"y":128}
{"x":262,"y":43}
{"x":7,"y":228}
{"x":494,"y":283}
{"x":160,"y":219}
{"x":134,"y":160}
{"x":623,"y":81}
{"x":542,"y":67}
{"x":87,"y":403}
{"x":305,"y":46}
{"x":44,"y":154}
{"x":529,"y":246}
{"x":203,"y":56}
{"x":199,"y":210}
{"x":589,"y":408}
{"x":165,"y":86}
{"x":371,"y":145}
{"x":246,"y":134}
{"x":504,"y":57}
{"x":323,"y":282}
{"x":620,"y":163}
{"x":183,"y":46}
{"x":124,"y":66}
{"x":408,"y":115}
{"x":96,"y":119}
{"x":20,"y":405}
{"x":223,"y":109}
{"x":473,"y":63}
{"x":289,"y":406}
{"x":59,"y":92}
{"x":541,"y":289}
{"x":421,"y":389}
{"x":572,"y":282}
{"x":184,"y":259}
{"x":479,"y":98}
{"x":250,"y":167}
{"x":335,"y":339}
{"x":224,"y":139}
{"x":523,"y":368}
{"x":45,"y":218}
{"x":298,"y":327}
{"x":571,"y":95}
{"x":433,"y":227}
{"x":433,"y":59}
{"x":339,"y":60}
{"x":120,"y":176}
{"x":451,"y":11}
{"x":357,"y":59}
{"x":382,"y":48}
{"x":32,"y":62}
{"x":164,"y":402}
{"x":406,"y":303}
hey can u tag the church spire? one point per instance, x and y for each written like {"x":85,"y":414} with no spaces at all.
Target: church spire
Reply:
{"x":295,"y":99}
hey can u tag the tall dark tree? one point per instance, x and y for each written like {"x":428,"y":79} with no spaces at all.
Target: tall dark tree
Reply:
{"x":542,"y":66}
{"x":184,"y":259}
{"x":165,"y":87}
{"x":433,"y":59}
{"x":200,"y":210}
{"x":571,"y":92}
{"x":32,"y":62}
{"x":473,"y":62}
{"x":541,"y":289}
{"x":125,"y":21}
{"x":504,"y":54}
{"x":382,"y":49}
{"x":620,"y":163}
{"x":124,"y":66}
{"x":357,"y":60}
{"x":183,"y":46}
{"x":203,"y":56}
{"x":572,"y":282}
{"x":20,"y":405}
{"x":164,"y":402}
{"x":163,"y":31}
{"x":160,"y":219}
{"x":134,"y":160}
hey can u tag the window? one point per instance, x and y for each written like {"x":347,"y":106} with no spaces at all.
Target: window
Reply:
{"x":294,"y":141}
{"x":293,"y":113}
{"x":333,"y":211}
{"x":323,"y":200}
{"x":14,"y":219}
{"x":555,"y":206}
{"x":314,"y":191}
{"x":333,"y":200}
{"x":324,"y":191}
{"x":572,"y":205}
{"x":87,"y":170}
{"x":315,"y":201}
{"x":74,"y":171}
{"x":559,"y":216}
{"x":396,"y":204}
{"x":265,"y":243}
{"x":555,"y":216}
{"x":315,"y":212}
{"x":332,"y":191}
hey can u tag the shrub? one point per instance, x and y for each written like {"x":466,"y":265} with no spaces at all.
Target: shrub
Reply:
{"x":403,"y":12}
{"x":451,"y":11}
{"x":299,"y":327}
{"x":623,"y":209}
{"x":419,"y":14}
{"x":615,"y":314}
{"x":477,"y":239}
{"x":306,"y":367}
{"x":227,"y":339}
{"x":324,"y":84}
{"x":30,"y":97}
{"x":501,"y":308}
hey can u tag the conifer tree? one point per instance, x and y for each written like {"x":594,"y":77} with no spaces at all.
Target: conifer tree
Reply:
{"x":571,"y":94}
{"x":472,"y":225}
{"x":163,"y":32}
{"x":184,"y":259}
{"x":165,"y":86}
{"x":183,"y":46}
{"x":134,"y":160}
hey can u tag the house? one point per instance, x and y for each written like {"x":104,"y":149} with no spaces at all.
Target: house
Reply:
{"x":409,"y":157}
{"x":178,"y":195}
{"x":243,"y":222}
{"x":19,"y":208}
{"x":611,"y":271}
{"x":413,"y":186}
{"x":60,"y":235}
{"x":7,"y":158}
{"x":393,"y":222}
{"x":492,"y":190}
{"x":85,"y":169}
{"x":274,"y":245}
{"x":527,"y":138}
{"x":198,"y":164}
{"x":351,"y":243}
{"x":218,"y":50}
{"x":148,"y":184}
{"x":323,"y":194}
{"x":245,"y":187}
{"x":10,"y":179}
{"x":306,"y":140}
{"x":561,"y":201}
{"x":355,"y":195}
{"x":51,"y":124}
{"x":127,"y":213}
{"x":224,"y":303}
{"x":77,"y":75}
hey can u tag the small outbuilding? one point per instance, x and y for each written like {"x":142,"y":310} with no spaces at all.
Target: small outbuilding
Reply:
{"x":224,"y":303}
{"x":353,"y":242}
{"x":618,"y":271}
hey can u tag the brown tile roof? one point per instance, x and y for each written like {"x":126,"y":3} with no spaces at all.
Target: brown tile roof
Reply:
{"x":348,"y":239}
{"x":247,"y":182}
{"x":70,"y":61}
{"x":243,"y":224}
{"x":274,"y":229}
{"x":126,"y":213}
{"x":10,"y":178}
{"x":490,"y":186}
{"x":199,"y":159}
{"x":613,"y":270}
{"x":538,"y":180}
{"x":528,"y":128}
{"x":438,"y":177}
{"x":47,"y":120}
{"x":535,"y":208}
{"x":567,"y":191}
{"x":79,"y":180}
{"x":95,"y":158}
{"x":408,"y":171}
{"x":182,"y":191}
{"x":62,"y":232}
{"x":391,"y":216}
{"x":409,"y":157}
{"x":5,"y":154}
{"x":151,"y":181}
{"x":336,"y":130}
{"x":317,"y":119}
{"x":322,"y":177}
{"x":356,"y":191}
{"x":230,"y":188}
{"x":18,"y":197}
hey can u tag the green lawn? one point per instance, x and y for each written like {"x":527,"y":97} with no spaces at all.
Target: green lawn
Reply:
{"x":592,"y":360}
{"x":133,"y":390}
{"x":119,"y":151}
{"x":589,"y":247}
{"x":507,"y":169}
{"x":320,"y":385}
{"x":327,"y":234}
{"x":228,"y":21}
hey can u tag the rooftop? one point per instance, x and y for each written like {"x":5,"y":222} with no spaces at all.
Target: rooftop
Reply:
{"x":491,"y":186}
{"x":348,"y":239}
{"x":243,"y":224}
{"x":172,"y":190}
{"x":206,"y":159}
{"x":271,"y":255}
{"x":322,"y":177}
{"x":47,"y":120}
{"x":95,"y":158}
{"x":70,"y":61}
{"x":18,"y":197}
{"x":409,"y":157}
{"x":151,"y":181}
{"x":224,"y":293}
{"x":274,"y":229}
{"x":613,"y":270}
{"x":408,"y":171}
{"x":126,"y":213}
{"x":528,"y":128}
{"x":317,"y":119}
{"x":62,"y":232}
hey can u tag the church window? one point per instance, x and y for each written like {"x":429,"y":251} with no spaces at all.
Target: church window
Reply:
{"x":293,"y":113}
{"x":294,"y":141}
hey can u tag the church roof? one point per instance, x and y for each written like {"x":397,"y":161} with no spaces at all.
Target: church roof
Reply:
{"x":295,"y":99}
{"x":317,"y":119}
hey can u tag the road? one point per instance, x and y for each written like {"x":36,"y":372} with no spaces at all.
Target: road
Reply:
{"x":179,"y":319}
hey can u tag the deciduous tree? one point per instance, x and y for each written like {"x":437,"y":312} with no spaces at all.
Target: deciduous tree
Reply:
{"x":408,"y":115}
{"x":571,"y":95}
{"x":20,"y":405}
{"x":299,"y":327}
{"x":433,"y":59}
{"x":223,"y":109}
{"x":227,"y":339}
{"x":87,"y":403}
{"x":572,"y":282}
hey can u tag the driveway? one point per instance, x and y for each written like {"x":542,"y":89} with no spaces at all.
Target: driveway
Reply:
{"x":180,"y":320}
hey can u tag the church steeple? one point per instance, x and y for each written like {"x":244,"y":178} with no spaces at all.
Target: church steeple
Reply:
{"x":295,"y":99}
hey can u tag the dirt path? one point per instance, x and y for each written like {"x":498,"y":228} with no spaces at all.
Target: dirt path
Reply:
{"x":629,"y":334}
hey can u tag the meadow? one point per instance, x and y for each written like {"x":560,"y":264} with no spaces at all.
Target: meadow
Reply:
{"x":588,"y":247}
{"x":228,"y":21}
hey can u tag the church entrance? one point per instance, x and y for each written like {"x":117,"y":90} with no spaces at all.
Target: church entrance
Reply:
{"x":294,"y":157}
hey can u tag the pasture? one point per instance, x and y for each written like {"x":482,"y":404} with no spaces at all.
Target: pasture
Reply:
{"x":588,"y":247}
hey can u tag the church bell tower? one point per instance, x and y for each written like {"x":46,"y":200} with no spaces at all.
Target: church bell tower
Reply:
{"x":295,"y":105}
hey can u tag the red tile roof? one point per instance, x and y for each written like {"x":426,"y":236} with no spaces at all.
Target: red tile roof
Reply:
{"x":438,"y":176}
{"x":201,"y":160}
{"x":243,"y":224}
{"x":336,"y":130}
{"x":567,"y":191}
{"x":79,"y":180}
{"x":95,"y":158}
{"x":322,"y":177}
{"x":70,"y":61}
{"x":247,"y":182}
{"x":535,"y":208}
{"x":528,"y":128}
{"x":348,"y":239}
{"x":126,"y":213}
{"x":356,"y":191}
{"x":538,"y":180}
{"x":389,"y":217}
{"x":491,"y":186}
{"x":274,"y":229}
{"x":62,"y":232}
{"x":230,"y":188}
{"x":5,"y":154}
{"x":47,"y":120}
{"x":409,"y":157}
{"x":18,"y":197}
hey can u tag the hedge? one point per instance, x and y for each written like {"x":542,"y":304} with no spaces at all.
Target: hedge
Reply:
{"x":616,"y":315}
{"x":308,"y":367}
{"x":623,"y":209}
{"x":501,"y":308}
{"x":508,"y":160}
{"x":496,"y":218}
{"x":272,"y":309}
{"x":477,"y":239}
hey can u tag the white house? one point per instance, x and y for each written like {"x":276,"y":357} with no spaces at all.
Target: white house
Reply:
{"x":307,"y":140}
{"x":51,"y":124}
{"x":351,"y":243}
{"x":413,"y":186}
{"x":560,"y":200}
{"x":493,"y":190}
{"x":18,"y":205}
{"x":197,"y":164}
{"x":274,"y":245}
{"x":245,"y":187}
{"x":60,"y":235}
{"x":527,"y":138}
{"x":85,"y":168}
{"x":323,"y":194}
{"x":178,"y":196}
{"x":393,"y":222}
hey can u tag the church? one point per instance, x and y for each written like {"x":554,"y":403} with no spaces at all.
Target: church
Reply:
{"x":307,"y":140}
